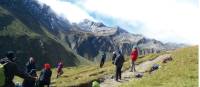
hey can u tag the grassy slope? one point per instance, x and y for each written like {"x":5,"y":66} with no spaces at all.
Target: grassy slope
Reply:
{"x":181,"y":72}
{"x":79,"y":75}
{"x":11,"y":26}
{"x":74,"y":76}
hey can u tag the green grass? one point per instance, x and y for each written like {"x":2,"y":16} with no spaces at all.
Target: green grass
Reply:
{"x":181,"y":72}
{"x":11,"y":26}
{"x":74,"y":76}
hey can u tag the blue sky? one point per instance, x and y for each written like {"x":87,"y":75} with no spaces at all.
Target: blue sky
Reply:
{"x":164,"y":20}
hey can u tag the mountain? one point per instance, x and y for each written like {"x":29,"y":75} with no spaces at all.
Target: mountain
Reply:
{"x":89,"y":39}
{"x":173,"y":46}
{"x":31,"y":29}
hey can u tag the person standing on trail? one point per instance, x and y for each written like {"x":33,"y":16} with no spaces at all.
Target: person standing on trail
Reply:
{"x":119,"y":60}
{"x":11,"y":69}
{"x":31,"y":70}
{"x":133,"y":56}
{"x":45,"y":76}
{"x":103,"y":58}
{"x":59,"y":69}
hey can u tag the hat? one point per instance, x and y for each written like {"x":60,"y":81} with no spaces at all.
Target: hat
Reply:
{"x":10,"y":55}
{"x":47,"y":66}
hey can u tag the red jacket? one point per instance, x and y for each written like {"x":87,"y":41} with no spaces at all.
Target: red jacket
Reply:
{"x":134,"y":55}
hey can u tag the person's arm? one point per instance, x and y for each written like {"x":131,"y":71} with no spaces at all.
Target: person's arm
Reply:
{"x":50,"y":73}
{"x":41,"y":74}
{"x":116,"y":60}
{"x":123,"y":59}
{"x":21,"y":74}
{"x":136,"y":53}
{"x":27,"y":67}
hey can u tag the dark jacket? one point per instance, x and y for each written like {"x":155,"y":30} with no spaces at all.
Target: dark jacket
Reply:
{"x":31,"y":70}
{"x":103,"y":58}
{"x":45,"y":76}
{"x":119,"y":60}
{"x":11,"y":69}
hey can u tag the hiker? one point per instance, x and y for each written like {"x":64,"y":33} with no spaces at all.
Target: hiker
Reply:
{"x":12,"y":69}
{"x":31,"y":70}
{"x":134,"y":55}
{"x":45,"y":76}
{"x":59,"y":69}
{"x":119,"y":60}
{"x":103,"y":58}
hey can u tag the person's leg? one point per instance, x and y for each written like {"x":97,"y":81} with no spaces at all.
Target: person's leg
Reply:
{"x":57,"y":74}
{"x":41,"y":84}
{"x":116,"y":73}
{"x":58,"y":71}
{"x":134,"y":66}
{"x":131,"y":70}
{"x":101,"y":64}
{"x":120,"y":72}
{"x":32,"y":84}
{"x":61,"y":72}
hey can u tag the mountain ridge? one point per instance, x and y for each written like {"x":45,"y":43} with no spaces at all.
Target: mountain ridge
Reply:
{"x":86,"y":39}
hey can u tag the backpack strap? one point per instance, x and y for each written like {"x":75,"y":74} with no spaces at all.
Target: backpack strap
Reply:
{"x":4,"y":61}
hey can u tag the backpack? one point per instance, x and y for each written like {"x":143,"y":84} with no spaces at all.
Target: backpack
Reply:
{"x":95,"y":84}
{"x":2,"y":74}
{"x":119,"y":60}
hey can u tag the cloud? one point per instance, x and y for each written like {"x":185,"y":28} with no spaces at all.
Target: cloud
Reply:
{"x":68,"y":10}
{"x":165,"y":20}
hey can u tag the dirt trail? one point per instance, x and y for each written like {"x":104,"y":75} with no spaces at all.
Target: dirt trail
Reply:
{"x":126,"y":75}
